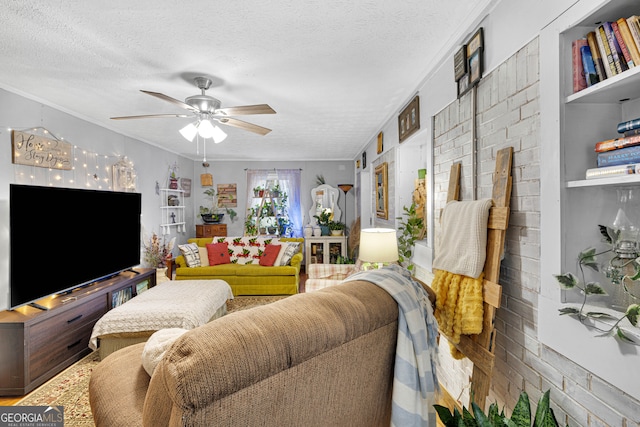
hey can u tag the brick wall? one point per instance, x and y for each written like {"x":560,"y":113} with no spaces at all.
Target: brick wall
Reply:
{"x":508,"y":114}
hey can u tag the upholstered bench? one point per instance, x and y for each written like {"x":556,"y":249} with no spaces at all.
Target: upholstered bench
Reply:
{"x":184,"y":304}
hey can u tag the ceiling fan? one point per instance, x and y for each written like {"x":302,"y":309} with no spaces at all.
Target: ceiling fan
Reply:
{"x":206,"y":108}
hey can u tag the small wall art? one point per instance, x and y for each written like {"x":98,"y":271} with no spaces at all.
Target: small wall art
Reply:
{"x":469,"y":63}
{"x":382,"y":201}
{"x":185,"y":184}
{"x":409,"y":119}
{"x":380,"y":147}
{"x":227,"y":195}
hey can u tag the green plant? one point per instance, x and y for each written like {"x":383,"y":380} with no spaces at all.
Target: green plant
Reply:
{"x":215,"y":208}
{"x":411,"y":229}
{"x":619,"y":277}
{"x":521,"y":416}
{"x":320,"y":179}
{"x":325,"y":217}
{"x":344,"y":260}
{"x":335,"y":225}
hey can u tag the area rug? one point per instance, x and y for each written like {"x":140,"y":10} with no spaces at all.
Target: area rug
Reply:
{"x":70,"y":388}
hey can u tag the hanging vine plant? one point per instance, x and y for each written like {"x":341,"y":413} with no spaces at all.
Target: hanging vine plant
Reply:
{"x":622,"y":274}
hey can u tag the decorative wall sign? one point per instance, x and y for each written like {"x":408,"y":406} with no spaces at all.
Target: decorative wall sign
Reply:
{"x":227,"y":195}
{"x":357,"y":164}
{"x":380,"y":147}
{"x":364,"y":160}
{"x":185,"y":184}
{"x":460,"y":62}
{"x":382,"y":201}
{"x":35,"y":150}
{"x":409,"y":119}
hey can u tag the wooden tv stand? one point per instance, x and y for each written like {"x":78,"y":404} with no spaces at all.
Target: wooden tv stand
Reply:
{"x":37,"y":344}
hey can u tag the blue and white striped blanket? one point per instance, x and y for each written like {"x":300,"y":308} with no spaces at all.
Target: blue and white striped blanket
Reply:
{"x":415,"y":381}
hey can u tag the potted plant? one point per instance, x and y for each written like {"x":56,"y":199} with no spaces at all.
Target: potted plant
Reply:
{"x":215,"y":214}
{"x":323,"y":220}
{"x":520,"y":417}
{"x":258,"y":191}
{"x":337,"y":228}
{"x":173,"y":177}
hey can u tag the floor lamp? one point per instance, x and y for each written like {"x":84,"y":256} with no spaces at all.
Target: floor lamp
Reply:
{"x":345,"y":188}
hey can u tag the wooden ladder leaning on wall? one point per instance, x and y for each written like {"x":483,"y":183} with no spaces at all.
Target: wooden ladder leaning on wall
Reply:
{"x":480,"y":349}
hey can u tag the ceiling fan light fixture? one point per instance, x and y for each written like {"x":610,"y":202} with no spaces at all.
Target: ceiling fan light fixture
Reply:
{"x":206,"y":129}
{"x":189,"y":132}
{"x":218,"y":135}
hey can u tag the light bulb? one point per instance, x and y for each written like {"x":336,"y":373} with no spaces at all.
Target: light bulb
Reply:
{"x":205,"y":129}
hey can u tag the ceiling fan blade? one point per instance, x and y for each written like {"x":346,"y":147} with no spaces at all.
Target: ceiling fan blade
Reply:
{"x":244,"y":125}
{"x":171,"y":100}
{"x":150,"y":116}
{"x":246,"y":110}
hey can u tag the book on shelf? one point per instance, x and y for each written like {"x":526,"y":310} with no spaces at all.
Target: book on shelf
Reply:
{"x":629,"y":125}
{"x":579,"y":82}
{"x":596,"y":56}
{"x":626,"y":54}
{"x":617,"y":143}
{"x":629,"y":41}
{"x":620,"y":156}
{"x":629,"y":169}
{"x":588,"y":66}
{"x":605,"y":51}
{"x":634,"y":28}
{"x":616,"y":53}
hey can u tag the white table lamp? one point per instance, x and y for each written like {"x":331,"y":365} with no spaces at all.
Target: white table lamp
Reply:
{"x":378,"y":245}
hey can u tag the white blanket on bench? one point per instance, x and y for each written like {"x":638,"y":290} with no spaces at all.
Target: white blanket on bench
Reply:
{"x":184,"y":304}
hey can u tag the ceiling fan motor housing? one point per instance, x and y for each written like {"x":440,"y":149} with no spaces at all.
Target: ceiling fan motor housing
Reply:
{"x":204,"y":103}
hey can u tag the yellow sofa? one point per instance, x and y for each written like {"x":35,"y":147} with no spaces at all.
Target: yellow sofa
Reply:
{"x":247,"y":279}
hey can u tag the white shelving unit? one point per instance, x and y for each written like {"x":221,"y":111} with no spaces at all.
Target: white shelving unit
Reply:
{"x":172,"y":215}
{"x":571,"y":206}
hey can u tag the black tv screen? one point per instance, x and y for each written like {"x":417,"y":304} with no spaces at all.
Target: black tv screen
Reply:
{"x":62,"y":238}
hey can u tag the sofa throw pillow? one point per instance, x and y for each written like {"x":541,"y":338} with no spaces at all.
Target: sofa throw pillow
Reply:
{"x":270,"y":254}
{"x":218,"y":253}
{"x":204,"y":256}
{"x":288,"y":253}
{"x":191,"y":254}
{"x":157,"y":346}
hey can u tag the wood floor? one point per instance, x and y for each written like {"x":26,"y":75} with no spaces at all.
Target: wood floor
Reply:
{"x":12,"y":400}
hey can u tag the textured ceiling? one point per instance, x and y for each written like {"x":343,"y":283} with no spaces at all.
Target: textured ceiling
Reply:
{"x":335,"y":71}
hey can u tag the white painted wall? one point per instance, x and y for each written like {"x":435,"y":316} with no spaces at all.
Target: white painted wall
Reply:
{"x":151,"y":165}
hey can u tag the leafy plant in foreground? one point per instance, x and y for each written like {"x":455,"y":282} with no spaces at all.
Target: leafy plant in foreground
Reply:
{"x":520,"y":417}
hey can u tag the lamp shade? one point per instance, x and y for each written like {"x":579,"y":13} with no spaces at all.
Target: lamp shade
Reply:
{"x":378,"y":245}
{"x":189,"y":132}
{"x":218,"y":135}
{"x":205,"y":129}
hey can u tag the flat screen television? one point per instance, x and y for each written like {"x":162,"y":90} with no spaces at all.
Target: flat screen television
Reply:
{"x":63,"y":238}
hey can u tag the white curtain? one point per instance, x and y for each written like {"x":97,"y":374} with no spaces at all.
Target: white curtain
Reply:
{"x":289,"y":180}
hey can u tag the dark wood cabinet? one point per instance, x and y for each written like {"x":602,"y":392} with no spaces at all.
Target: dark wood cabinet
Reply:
{"x":37,"y":344}
{"x":211,"y":230}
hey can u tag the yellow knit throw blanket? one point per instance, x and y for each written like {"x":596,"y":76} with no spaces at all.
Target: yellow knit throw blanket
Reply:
{"x":459,"y":306}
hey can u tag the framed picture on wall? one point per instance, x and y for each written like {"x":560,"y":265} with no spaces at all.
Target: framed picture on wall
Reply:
{"x":475,"y":49}
{"x":409,"y":119}
{"x":380,"y":147}
{"x":382,"y":200}
{"x":364,"y":160}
